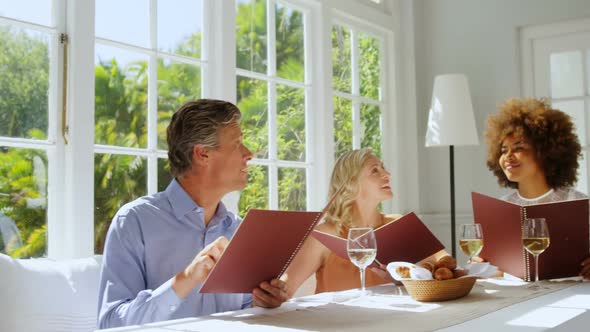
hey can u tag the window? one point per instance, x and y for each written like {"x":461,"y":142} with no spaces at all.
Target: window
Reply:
{"x":358,"y":99}
{"x":272,"y":93}
{"x":124,"y":67}
{"x":558,"y":68}
{"x":147,"y":63}
{"x":29,"y":42}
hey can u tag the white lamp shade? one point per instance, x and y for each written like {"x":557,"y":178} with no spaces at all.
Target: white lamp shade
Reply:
{"x":451,"y":120}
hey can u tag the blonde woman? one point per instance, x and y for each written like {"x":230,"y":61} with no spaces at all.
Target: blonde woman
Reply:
{"x":365,"y":183}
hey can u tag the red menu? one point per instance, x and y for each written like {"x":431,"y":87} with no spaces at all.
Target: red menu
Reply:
{"x":260,"y":250}
{"x":501,"y":223}
{"x":405,"y":239}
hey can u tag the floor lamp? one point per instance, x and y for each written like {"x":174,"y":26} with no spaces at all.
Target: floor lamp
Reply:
{"x":450,"y":123}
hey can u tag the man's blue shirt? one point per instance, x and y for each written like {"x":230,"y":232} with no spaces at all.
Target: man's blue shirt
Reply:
{"x":149,"y":241}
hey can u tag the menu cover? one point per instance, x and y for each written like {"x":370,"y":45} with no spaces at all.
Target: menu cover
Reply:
{"x":261,"y":249}
{"x":405,"y":239}
{"x":502,"y":221}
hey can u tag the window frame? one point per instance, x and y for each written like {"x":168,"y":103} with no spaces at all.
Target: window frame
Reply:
{"x":272,"y":80}
{"x":388,"y":97}
{"x":70,"y":213}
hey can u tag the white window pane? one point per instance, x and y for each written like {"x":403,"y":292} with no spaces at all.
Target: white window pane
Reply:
{"x":253,"y":103}
{"x":566,"y":74}
{"x":342,"y":126}
{"x":177,"y":83}
{"x":23,"y":202}
{"x":180,"y":26}
{"x":575,"y":109}
{"x":120,"y":97}
{"x":255,"y":195}
{"x":123,"y":21}
{"x":290,"y":123}
{"x":35,"y":11}
{"x":341,"y":59}
{"x":290,"y":43}
{"x":24,"y":82}
{"x":369,"y":66}
{"x":371,"y":128}
{"x":118,"y":179}
{"x":251,"y":39}
{"x":292,"y":191}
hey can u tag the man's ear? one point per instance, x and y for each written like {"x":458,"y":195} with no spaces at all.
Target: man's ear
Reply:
{"x":200,"y":155}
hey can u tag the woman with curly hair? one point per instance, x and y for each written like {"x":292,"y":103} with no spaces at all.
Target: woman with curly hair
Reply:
{"x":533,"y":148}
{"x":365,"y":183}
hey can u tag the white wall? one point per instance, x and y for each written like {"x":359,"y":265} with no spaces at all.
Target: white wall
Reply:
{"x":480,"y":39}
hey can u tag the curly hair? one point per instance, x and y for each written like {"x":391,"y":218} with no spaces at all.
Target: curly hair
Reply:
{"x":346,"y":176}
{"x":550,"y":131}
{"x":197,"y":122}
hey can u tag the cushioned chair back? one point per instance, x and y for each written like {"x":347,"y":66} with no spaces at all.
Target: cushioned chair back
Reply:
{"x":48,"y":295}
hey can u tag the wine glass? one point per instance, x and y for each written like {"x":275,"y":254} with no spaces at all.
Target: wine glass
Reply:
{"x":471,"y":241}
{"x":362,"y":249}
{"x":535,"y":239}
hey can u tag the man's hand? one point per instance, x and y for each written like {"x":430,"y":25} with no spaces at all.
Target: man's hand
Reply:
{"x":202,"y":264}
{"x":199,"y":268}
{"x":585,"y":272}
{"x":270,"y":294}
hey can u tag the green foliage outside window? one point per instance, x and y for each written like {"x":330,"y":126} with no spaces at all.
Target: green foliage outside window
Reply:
{"x":24,"y":83}
{"x":121,"y":119}
{"x":369,"y":87}
{"x":253,"y":102}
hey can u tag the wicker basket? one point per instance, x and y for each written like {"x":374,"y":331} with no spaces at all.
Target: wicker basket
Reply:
{"x":439,"y":290}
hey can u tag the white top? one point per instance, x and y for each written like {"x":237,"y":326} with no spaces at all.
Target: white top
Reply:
{"x":553,"y":195}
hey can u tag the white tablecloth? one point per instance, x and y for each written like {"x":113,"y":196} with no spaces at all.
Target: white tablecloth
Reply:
{"x":493,"y":305}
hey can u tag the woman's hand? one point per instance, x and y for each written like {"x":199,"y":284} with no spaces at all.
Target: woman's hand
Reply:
{"x":477,"y":259}
{"x":381,"y":271}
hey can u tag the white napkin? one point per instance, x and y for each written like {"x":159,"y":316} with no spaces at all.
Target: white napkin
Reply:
{"x":416,"y":272}
{"x":480,"y":270}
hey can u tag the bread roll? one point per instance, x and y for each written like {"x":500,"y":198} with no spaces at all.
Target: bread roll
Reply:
{"x":459,"y":273}
{"x":446,"y":261}
{"x":443,"y":273}
{"x":403,"y":271}
{"x":429,"y":266}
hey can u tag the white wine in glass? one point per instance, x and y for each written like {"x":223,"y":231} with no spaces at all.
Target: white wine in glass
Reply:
{"x":471,"y":241}
{"x":535,"y":239}
{"x":536,"y":245}
{"x":362,"y":249}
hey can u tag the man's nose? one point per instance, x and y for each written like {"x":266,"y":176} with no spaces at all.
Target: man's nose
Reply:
{"x":247,"y":153}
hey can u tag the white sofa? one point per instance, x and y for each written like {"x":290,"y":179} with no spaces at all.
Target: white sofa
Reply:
{"x":47,"y":295}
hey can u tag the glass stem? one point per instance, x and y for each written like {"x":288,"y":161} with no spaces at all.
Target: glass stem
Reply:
{"x":536,"y":268}
{"x":362,"y":270}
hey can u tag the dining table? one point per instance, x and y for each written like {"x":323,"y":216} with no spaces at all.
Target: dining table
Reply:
{"x":495,"y":304}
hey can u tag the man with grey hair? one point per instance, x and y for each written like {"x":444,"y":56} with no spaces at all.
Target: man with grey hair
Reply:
{"x":150,"y":272}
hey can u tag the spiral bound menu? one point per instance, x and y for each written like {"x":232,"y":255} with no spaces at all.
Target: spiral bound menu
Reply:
{"x":260,"y":250}
{"x":405,"y":239}
{"x":501,"y":222}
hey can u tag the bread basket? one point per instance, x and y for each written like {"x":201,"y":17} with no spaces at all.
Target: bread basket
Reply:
{"x":439,"y":290}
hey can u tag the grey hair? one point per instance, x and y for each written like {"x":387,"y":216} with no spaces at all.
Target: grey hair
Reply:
{"x":197,"y":123}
